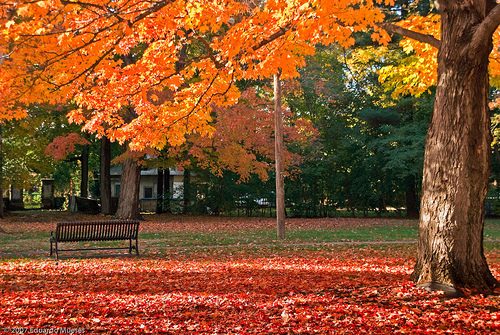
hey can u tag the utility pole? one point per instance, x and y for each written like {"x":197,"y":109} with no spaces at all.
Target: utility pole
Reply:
{"x":278,"y":140}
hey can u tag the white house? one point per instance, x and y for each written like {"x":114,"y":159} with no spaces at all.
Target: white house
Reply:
{"x":148,"y":188}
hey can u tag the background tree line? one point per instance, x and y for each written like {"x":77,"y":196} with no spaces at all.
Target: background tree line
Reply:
{"x":365,"y":155}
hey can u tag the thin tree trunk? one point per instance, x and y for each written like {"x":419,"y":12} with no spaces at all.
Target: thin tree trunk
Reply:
{"x":457,"y":159}
{"x":411,"y":198}
{"x":186,"y":191}
{"x":84,"y":160}
{"x":278,"y":138}
{"x":166,"y":189}
{"x":159,"y":192}
{"x":105,"y":175}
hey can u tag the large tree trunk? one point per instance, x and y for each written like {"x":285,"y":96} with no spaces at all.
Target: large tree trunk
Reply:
{"x":105,"y":165}
{"x":128,"y":203}
{"x":457,"y":157}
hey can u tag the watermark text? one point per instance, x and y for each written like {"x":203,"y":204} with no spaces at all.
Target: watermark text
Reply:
{"x":34,"y":330}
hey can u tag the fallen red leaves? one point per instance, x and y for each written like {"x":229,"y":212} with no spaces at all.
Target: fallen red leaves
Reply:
{"x":290,"y":290}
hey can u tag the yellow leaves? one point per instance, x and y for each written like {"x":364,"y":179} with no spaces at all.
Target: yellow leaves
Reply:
{"x":363,"y":56}
{"x":494,"y":68}
{"x":416,"y":73}
{"x":410,"y":77}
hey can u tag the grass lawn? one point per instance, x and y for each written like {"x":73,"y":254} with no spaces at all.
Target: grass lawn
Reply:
{"x":267,"y":286}
{"x":30,"y":231}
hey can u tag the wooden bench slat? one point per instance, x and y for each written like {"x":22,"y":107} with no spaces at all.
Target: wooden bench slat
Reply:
{"x":112,"y":230}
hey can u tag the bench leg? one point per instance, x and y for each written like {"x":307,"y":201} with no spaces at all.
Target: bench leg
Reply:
{"x":53,"y":249}
{"x":133,"y":247}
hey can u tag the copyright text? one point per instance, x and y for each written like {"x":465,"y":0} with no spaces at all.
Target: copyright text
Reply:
{"x":32,"y":330}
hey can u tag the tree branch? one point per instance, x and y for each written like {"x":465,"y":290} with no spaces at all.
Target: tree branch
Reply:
{"x":211,"y":55}
{"x":392,"y":28}
{"x":282,"y":31}
{"x":153,"y":9}
{"x":278,"y":34}
{"x":485,"y":30}
{"x":82,"y":4}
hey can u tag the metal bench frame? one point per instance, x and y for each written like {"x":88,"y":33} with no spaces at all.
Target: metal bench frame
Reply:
{"x":86,"y":231}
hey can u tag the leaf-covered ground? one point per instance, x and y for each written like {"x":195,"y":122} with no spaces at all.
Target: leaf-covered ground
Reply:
{"x":30,"y":231}
{"x":284,"y":290}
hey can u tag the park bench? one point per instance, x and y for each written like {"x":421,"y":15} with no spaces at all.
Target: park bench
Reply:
{"x":88,"y":231}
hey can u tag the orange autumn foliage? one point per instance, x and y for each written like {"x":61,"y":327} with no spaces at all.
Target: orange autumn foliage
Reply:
{"x":108,"y":56}
{"x":243,"y":140}
{"x":62,"y":146}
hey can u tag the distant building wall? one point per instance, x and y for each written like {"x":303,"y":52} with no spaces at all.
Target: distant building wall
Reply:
{"x":148,"y":187}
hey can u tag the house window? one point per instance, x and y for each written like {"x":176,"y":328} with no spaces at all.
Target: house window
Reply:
{"x":148,"y":192}
{"x":117,"y":190}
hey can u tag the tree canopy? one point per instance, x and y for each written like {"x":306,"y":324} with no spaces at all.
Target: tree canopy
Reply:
{"x":171,"y":60}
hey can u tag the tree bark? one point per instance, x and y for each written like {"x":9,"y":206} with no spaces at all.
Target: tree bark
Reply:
{"x":186,"y":191}
{"x":128,"y":203}
{"x":166,"y":190}
{"x":411,"y":198}
{"x":457,"y":156}
{"x":105,"y":165}
{"x":84,"y":161}
{"x":278,"y":139}
{"x":159,"y":192}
